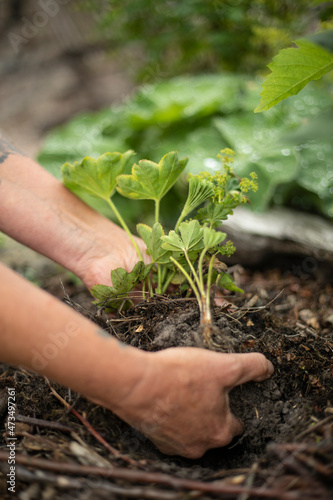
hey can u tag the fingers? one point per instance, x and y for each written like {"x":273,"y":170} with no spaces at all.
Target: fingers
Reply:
{"x":247,"y":367}
{"x":230,"y":427}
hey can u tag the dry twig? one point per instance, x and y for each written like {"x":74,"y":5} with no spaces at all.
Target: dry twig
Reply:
{"x":93,"y":431}
{"x":139,"y":476}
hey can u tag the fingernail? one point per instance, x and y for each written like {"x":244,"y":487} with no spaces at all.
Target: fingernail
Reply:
{"x":270,"y":368}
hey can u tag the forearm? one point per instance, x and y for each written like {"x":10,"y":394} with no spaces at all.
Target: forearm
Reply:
{"x":41,"y":333}
{"x":37,"y":210}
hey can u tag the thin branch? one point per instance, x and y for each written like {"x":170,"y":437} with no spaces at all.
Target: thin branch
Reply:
{"x":43,"y":423}
{"x":65,"y":482}
{"x":92,"y":431}
{"x":154,"y":477}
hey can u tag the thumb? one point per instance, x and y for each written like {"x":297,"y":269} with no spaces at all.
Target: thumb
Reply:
{"x":247,"y":367}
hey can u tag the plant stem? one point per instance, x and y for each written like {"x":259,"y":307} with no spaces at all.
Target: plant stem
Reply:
{"x":157,"y":210}
{"x":180,"y":218}
{"x":124,"y":226}
{"x":209,"y":281}
{"x":150,"y":286}
{"x":159,"y":279}
{"x":168,"y":281}
{"x":200,"y":273}
{"x":191,"y":282}
{"x":200,"y":287}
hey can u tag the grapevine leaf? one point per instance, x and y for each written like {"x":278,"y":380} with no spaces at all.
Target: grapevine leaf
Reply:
{"x":149,"y":180}
{"x":292,"y":69}
{"x":96,"y":177}
{"x":123,"y":282}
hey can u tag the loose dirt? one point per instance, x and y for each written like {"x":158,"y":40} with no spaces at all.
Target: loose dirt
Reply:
{"x":286,"y":450}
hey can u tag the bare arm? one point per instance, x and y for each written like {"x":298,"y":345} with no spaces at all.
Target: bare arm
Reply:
{"x":41,"y":333}
{"x":37,"y":210}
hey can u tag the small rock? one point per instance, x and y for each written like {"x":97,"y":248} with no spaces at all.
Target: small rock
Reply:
{"x":310,"y":318}
{"x":329,"y":317}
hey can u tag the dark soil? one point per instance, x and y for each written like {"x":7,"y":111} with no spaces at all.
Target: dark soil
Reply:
{"x":286,"y":450}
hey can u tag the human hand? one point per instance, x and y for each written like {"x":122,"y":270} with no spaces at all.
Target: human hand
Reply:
{"x":110,"y":248}
{"x":182,"y":401}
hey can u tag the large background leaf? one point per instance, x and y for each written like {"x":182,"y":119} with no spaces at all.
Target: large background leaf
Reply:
{"x":292,"y":69}
{"x":287,"y":146}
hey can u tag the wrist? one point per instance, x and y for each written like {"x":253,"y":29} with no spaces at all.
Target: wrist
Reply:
{"x":114,"y":375}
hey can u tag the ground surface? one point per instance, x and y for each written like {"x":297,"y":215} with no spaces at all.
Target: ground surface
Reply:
{"x":286,"y":450}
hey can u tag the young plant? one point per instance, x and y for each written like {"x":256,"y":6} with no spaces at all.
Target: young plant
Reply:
{"x":194,"y":240}
{"x":191,"y":248}
{"x":200,"y":244}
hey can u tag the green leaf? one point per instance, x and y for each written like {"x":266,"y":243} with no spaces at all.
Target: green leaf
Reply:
{"x":152,"y":238}
{"x":149,"y":180}
{"x":292,"y":69}
{"x":123,"y":282}
{"x":212,"y":238}
{"x":190,"y":238}
{"x":172,"y":100}
{"x":214,"y":213}
{"x":96,"y":177}
{"x":226,"y":281}
{"x":191,"y":233}
{"x":145,"y":232}
{"x":199,"y":191}
{"x":172,"y":242}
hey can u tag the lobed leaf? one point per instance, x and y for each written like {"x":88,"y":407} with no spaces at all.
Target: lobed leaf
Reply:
{"x":191,"y":233}
{"x":212,"y":238}
{"x":152,"y":238}
{"x":190,"y":238}
{"x":122,"y":284}
{"x":292,"y":69}
{"x":214,"y":213}
{"x":199,"y":190}
{"x":172,"y":242}
{"x":150,"y":180}
{"x":96,"y":177}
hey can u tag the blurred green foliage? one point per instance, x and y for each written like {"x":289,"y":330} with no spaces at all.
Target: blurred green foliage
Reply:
{"x":173,"y":37}
{"x":293,"y":68}
{"x":197,"y":116}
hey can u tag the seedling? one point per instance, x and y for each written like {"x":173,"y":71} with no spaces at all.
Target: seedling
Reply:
{"x":188,"y":253}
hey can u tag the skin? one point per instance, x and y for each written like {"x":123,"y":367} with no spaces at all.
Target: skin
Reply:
{"x":177,"y":397}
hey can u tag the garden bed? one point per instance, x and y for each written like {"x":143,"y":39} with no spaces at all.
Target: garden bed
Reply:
{"x":286,"y":451}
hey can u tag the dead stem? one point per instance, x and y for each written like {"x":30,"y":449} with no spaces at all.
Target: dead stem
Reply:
{"x":140,"y":476}
{"x":43,"y":423}
{"x":92,"y":431}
